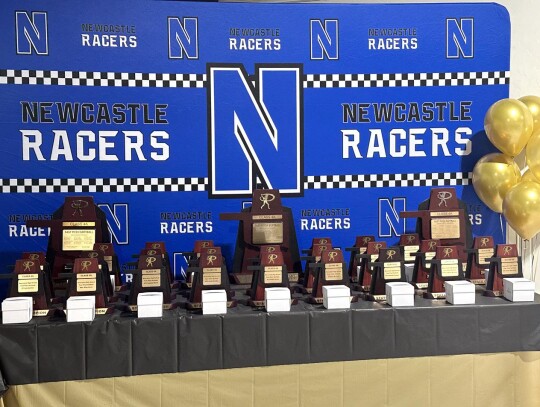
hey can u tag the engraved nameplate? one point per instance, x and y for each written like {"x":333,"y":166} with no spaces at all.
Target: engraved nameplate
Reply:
{"x":445,"y":228}
{"x":509,"y":266}
{"x":211,"y":276}
{"x":27,"y":283}
{"x":151,"y":278}
{"x":392,"y":270}
{"x":450,"y":268}
{"x":484,"y":255}
{"x":79,"y":224}
{"x":273,"y":275}
{"x":86,"y":282}
{"x":409,"y":250}
{"x":333,"y":271}
{"x":78,"y":239}
{"x":266,"y":217}
{"x":267,"y":232}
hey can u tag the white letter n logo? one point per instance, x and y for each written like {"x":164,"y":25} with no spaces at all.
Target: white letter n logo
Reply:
{"x":255,"y":130}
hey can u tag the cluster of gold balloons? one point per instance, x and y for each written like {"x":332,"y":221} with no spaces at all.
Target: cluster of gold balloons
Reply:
{"x":512,"y":125}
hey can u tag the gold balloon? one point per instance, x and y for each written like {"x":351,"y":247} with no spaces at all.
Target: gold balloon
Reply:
{"x":533,"y":104}
{"x":532,"y":154}
{"x":493,"y":175}
{"x":529,"y":176}
{"x":521,"y":208}
{"x":509,"y":125}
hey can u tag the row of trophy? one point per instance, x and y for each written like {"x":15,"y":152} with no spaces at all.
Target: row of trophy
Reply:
{"x":80,"y":259}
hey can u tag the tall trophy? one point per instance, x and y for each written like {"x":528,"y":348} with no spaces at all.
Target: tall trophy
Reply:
{"x":389,"y":268}
{"x":210,"y":273}
{"x":505,"y":263}
{"x":76,"y":226}
{"x":445,"y":266}
{"x":364,"y":269}
{"x":266,"y":222}
{"x":271,"y":272}
{"x":478,"y":259}
{"x":445,"y":219}
{"x":360,"y":247}
{"x":422,"y":263}
{"x":29,"y":280}
{"x":331,"y":270}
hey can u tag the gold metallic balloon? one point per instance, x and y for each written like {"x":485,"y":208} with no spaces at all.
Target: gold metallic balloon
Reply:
{"x":509,"y":125}
{"x":521,"y":208}
{"x":493,"y":175}
{"x":529,"y":176}
{"x":533,"y":104}
{"x":532,"y":155}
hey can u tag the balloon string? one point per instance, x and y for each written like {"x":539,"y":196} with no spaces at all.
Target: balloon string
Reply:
{"x":502,"y":228}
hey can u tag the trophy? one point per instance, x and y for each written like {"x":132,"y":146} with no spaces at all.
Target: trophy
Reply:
{"x":422,"y":265}
{"x":29,"y":280}
{"x":107,"y":250}
{"x":150,"y":276}
{"x":104,"y":267}
{"x":266,"y":222}
{"x":192,"y":258}
{"x":445,"y":220}
{"x":76,"y":226}
{"x":369,"y":256}
{"x":505,"y":263}
{"x":87,"y":278}
{"x":331,"y":270}
{"x":388,"y":269}
{"x":409,"y":243}
{"x":165,"y":255}
{"x":209,"y":274}
{"x":360,"y":247}
{"x":445,"y":266}
{"x":271,"y":272}
{"x":309,"y":274}
{"x":43,"y":264}
{"x":478,"y":259}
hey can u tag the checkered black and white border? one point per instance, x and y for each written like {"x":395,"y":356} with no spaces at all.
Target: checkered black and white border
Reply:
{"x":71,"y":185}
{"x":406,"y":79}
{"x":118,"y":79}
{"x":387,"y":180}
{"x":166,"y":80}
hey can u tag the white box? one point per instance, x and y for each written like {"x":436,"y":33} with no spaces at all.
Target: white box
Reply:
{"x":460,"y":292}
{"x":409,"y":268}
{"x":150,"y":305}
{"x":400,"y":294}
{"x":336,"y":296}
{"x":17,"y":310}
{"x":518,"y":289}
{"x":277,"y":299}
{"x":81,"y":308}
{"x":214,"y":302}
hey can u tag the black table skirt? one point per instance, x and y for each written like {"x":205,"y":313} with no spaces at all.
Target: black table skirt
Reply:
{"x":119,"y":344}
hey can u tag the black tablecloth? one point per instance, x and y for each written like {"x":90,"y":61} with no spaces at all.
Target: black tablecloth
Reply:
{"x":122,"y":345}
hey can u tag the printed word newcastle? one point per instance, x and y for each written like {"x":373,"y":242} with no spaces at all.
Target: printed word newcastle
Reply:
{"x":89,"y":145}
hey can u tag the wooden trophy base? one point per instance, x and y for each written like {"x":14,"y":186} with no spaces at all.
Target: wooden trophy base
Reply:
{"x":306,"y":290}
{"x":478,"y":281}
{"x":242,"y":278}
{"x":104,"y":311}
{"x":491,"y":293}
{"x":134,"y":308}
{"x":315,"y":300}
{"x":420,"y":286}
{"x":362,"y":288}
{"x":196,"y":306}
{"x":435,"y":296}
{"x":376,"y":298}
{"x":45,"y":312}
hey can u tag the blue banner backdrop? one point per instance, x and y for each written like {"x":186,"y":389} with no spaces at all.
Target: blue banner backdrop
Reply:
{"x":169,"y":113}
